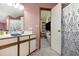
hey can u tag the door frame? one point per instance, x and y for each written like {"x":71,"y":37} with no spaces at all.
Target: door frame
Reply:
{"x":41,"y":8}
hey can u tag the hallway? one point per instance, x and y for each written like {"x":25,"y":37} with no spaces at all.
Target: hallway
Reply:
{"x":45,"y":49}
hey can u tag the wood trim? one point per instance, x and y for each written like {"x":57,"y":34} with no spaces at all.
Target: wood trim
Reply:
{"x":8,"y":45}
{"x":32,"y":39}
{"x":40,"y":28}
{"x":50,"y":29}
{"x":18,"y":44}
{"x":23,"y":41}
{"x":32,"y":52}
{"x":15,"y":43}
{"x":29,"y":45}
{"x":41,"y":8}
{"x":18,"y":47}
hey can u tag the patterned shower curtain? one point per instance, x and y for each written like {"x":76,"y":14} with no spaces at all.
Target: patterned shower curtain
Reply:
{"x":71,"y":30}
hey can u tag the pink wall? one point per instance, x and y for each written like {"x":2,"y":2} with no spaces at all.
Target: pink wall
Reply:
{"x":32,"y":17}
{"x":3,"y":26}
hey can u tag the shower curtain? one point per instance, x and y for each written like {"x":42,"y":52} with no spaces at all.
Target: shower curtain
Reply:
{"x":71,"y":30}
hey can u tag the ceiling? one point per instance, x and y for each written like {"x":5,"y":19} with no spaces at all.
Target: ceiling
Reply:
{"x":6,"y":10}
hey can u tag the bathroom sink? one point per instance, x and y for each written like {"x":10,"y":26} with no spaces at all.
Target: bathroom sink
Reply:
{"x":16,"y":34}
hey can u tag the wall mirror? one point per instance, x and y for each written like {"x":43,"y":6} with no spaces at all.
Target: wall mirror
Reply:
{"x":11,"y":16}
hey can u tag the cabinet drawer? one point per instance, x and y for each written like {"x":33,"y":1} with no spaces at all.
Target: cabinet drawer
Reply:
{"x":24,"y":38}
{"x":7,"y":41}
{"x":32,"y":36}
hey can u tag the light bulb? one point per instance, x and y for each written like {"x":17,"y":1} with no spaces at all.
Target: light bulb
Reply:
{"x":16,"y":5}
{"x":21,"y":7}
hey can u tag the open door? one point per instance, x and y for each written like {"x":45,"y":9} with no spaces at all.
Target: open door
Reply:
{"x":56,"y":28}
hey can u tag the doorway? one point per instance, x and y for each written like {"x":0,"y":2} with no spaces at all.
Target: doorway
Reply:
{"x":45,"y":30}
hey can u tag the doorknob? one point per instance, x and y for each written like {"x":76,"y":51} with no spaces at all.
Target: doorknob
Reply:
{"x":58,"y":30}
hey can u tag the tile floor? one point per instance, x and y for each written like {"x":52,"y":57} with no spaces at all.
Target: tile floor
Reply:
{"x":45,"y":49}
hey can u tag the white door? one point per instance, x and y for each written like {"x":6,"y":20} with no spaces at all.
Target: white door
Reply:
{"x":56,"y":28}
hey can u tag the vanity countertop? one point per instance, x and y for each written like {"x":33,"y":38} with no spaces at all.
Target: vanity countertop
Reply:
{"x":9,"y":35}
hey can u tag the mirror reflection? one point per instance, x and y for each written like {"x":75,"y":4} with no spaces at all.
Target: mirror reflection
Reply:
{"x":11,"y":17}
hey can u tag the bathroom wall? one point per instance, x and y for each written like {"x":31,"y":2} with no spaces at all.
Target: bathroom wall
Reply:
{"x":3,"y":26}
{"x":71,"y":30}
{"x":32,"y":17}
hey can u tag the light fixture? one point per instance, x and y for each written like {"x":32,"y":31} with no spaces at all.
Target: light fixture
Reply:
{"x":16,"y":5}
{"x":21,"y":7}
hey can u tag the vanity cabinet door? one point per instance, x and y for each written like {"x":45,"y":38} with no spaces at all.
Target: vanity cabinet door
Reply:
{"x":24,"y":48}
{"x":10,"y":51}
{"x":32,"y":45}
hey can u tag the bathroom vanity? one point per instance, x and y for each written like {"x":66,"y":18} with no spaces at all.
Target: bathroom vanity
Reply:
{"x":22,"y":45}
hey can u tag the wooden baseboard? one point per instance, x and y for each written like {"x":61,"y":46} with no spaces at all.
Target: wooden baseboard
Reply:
{"x":32,"y":52}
